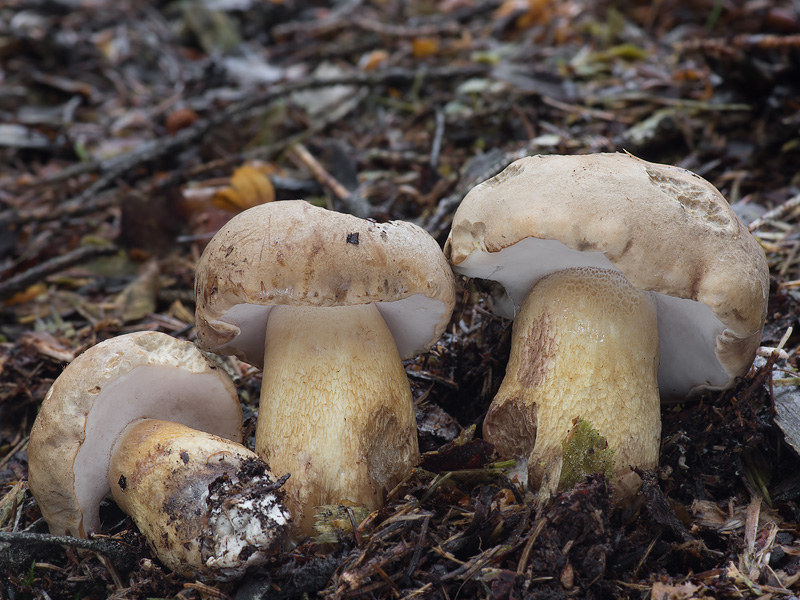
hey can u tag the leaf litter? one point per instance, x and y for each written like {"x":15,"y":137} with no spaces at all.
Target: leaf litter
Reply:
{"x":132,"y":131}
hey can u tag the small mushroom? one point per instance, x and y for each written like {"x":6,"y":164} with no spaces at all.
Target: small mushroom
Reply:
{"x":606,"y":262}
{"x":148,"y":419}
{"x":329,"y":304}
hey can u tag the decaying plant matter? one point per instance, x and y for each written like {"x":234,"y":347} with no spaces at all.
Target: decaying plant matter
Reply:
{"x":125,"y":130}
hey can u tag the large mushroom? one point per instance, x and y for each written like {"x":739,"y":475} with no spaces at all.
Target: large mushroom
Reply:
{"x":147,"y":419}
{"x":329,"y":304}
{"x":606,"y":262}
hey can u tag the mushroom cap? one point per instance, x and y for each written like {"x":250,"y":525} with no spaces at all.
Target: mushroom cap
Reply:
{"x":117,"y":382}
{"x":294,"y":253}
{"x":668,"y":230}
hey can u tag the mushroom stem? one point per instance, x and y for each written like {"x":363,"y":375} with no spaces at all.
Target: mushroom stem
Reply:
{"x":584,"y":346}
{"x":207,"y":506}
{"x":336,"y":409}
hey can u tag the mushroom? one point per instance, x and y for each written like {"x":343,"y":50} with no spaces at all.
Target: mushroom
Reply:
{"x":606,"y":262}
{"x":329,"y":305}
{"x":149,"y":419}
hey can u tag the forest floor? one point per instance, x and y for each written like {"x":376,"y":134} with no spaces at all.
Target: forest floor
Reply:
{"x":131,"y":131}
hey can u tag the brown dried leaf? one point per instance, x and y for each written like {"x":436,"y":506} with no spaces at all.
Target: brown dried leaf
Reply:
{"x":372,"y":60}
{"x":681,"y":591}
{"x":528,"y":12}
{"x":138,"y":299}
{"x":48,"y":345}
{"x":27,"y":295}
{"x":179,"y":119}
{"x":424,"y":47}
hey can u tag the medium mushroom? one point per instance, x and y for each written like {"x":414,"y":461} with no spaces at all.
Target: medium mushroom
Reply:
{"x":606,"y":262}
{"x":148,"y":419}
{"x":329,"y":304}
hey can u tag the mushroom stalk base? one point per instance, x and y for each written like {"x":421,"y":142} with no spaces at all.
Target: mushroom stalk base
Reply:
{"x":206,"y":505}
{"x":584,"y":346}
{"x":336,"y":409}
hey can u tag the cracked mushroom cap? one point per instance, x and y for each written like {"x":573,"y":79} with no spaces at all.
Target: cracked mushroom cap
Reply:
{"x":668,"y":230}
{"x":293,"y":253}
{"x":144,"y":375}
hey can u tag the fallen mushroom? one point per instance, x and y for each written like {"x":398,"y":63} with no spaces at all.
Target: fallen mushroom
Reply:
{"x":606,"y":261}
{"x":148,"y":419}
{"x":329,"y":304}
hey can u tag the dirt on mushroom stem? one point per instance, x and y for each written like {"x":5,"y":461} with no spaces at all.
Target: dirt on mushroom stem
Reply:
{"x":209,"y":508}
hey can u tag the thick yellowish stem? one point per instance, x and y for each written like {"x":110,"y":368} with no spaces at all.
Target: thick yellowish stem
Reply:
{"x":206,"y":505}
{"x":336,"y":409}
{"x":585,"y":346}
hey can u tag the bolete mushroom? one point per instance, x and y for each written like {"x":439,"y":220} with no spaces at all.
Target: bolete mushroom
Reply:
{"x":608,"y":261}
{"x":148,"y":419}
{"x":329,"y":304}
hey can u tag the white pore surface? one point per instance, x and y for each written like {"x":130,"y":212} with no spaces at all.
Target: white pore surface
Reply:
{"x":251,"y":319}
{"x":411,"y":320}
{"x":687,"y":329}
{"x":198,"y":401}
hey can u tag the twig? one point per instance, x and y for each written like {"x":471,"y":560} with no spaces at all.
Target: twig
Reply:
{"x":476,"y":563}
{"x":436,"y":146}
{"x":21,"y":281}
{"x":776,"y":213}
{"x":745,"y":41}
{"x":412,"y":565}
{"x":81,"y":204}
{"x":19,"y":540}
{"x":206,"y":591}
{"x":307,"y":160}
{"x":399,"y":31}
{"x":151,"y":150}
{"x":526,"y":552}
{"x":585,"y":111}
{"x":22,"y":443}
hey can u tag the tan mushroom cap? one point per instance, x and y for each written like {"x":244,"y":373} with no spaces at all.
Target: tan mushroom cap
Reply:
{"x":117,"y":382}
{"x":294,"y":253}
{"x":668,"y":230}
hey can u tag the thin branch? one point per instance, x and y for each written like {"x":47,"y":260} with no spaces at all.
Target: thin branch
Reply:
{"x":21,"y":546}
{"x":776,"y":213}
{"x":21,"y":281}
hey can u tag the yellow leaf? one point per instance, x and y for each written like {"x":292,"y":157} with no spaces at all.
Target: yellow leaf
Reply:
{"x":138,"y":299}
{"x":373,"y":60}
{"x":26,"y":295}
{"x":249,"y":187}
{"x":424,"y":47}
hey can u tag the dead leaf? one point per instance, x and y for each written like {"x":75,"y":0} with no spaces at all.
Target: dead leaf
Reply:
{"x":11,"y":502}
{"x":681,"y":591}
{"x":179,"y":119}
{"x":48,"y":345}
{"x":528,"y":12}
{"x":709,"y":515}
{"x":178,"y":311}
{"x":27,"y":295}
{"x":249,"y":187}
{"x":373,"y":60}
{"x":424,"y":47}
{"x":138,"y":299}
